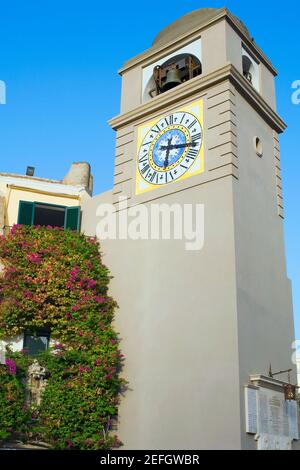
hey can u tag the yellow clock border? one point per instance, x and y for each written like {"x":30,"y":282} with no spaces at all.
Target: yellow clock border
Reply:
{"x":188,"y":173}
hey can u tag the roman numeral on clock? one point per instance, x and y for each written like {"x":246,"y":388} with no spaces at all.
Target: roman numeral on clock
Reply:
{"x":154,"y":174}
{"x":157,"y":130}
{"x":171,"y":119}
{"x":146,"y":168}
{"x":143,"y":158}
{"x":192,"y":153}
{"x":192,"y":124}
{"x":196,"y":137}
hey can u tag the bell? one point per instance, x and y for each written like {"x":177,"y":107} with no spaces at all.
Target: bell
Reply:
{"x":248,"y":76}
{"x":173,"y":79}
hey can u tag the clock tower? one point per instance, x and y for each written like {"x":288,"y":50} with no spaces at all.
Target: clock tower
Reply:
{"x":198,"y":125}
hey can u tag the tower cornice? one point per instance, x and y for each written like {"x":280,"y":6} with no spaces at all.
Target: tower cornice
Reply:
{"x":198,"y":85}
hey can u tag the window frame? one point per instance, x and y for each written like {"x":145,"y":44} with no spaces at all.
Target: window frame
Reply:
{"x":33,"y":205}
{"x":38,"y":333}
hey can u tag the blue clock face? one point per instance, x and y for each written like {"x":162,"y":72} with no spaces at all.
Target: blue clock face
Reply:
{"x":170,"y":148}
{"x":171,"y":137}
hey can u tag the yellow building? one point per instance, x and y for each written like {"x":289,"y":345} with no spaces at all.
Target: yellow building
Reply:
{"x":29,"y":200}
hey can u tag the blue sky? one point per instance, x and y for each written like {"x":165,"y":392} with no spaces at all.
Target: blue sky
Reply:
{"x":59,"y":60}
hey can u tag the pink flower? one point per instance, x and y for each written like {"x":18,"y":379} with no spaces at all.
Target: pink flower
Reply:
{"x":89,"y":442}
{"x":27,"y":294}
{"x":75,"y":308}
{"x":11,"y":365}
{"x":75,"y":271}
{"x":100,"y":300}
{"x":91,"y":284}
{"x":15,"y":228}
{"x":87,"y":283}
{"x":11,"y":269}
{"x":34,"y":258}
{"x":69,"y":316}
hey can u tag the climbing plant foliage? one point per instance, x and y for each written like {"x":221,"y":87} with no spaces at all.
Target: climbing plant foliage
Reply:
{"x":55,"y":280}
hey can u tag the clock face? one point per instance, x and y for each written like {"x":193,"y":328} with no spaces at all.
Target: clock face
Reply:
{"x":169,"y":148}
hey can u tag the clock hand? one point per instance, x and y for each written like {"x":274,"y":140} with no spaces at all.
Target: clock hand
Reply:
{"x":178,"y":146}
{"x":168,"y":149}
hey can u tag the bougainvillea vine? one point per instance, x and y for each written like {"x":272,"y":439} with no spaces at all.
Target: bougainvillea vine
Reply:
{"x":55,"y":280}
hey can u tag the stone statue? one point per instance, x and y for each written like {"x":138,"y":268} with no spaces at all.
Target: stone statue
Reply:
{"x":35,"y":383}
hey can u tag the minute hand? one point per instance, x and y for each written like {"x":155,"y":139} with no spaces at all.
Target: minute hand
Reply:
{"x":178,"y":146}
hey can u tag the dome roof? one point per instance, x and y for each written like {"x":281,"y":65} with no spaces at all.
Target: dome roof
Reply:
{"x":188,"y":22}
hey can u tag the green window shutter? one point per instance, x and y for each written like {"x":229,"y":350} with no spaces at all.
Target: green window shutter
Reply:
{"x":72,"y":218}
{"x":26,"y":213}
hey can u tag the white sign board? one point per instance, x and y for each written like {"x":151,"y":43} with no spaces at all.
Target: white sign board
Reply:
{"x":273,"y":419}
{"x":251,"y":396}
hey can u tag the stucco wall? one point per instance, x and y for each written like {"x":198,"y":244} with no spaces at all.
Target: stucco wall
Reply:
{"x":178,"y":325}
{"x":2,"y":211}
{"x":265,"y":315}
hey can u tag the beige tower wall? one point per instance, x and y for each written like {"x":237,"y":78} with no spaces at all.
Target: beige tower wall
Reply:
{"x":265,"y":316}
{"x":178,"y":324}
{"x":178,"y":313}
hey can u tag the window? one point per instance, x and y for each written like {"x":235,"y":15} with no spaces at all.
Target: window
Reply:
{"x":250,"y":69}
{"x":258,"y":146}
{"x":49,"y":215}
{"x":35,"y":213}
{"x":182,"y":71}
{"x":174,"y":71}
{"x":36,"y":342}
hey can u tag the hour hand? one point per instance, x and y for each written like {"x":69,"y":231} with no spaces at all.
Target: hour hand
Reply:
{"x":181,"y":146}
{"x":178,"y":146}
